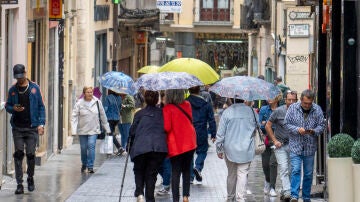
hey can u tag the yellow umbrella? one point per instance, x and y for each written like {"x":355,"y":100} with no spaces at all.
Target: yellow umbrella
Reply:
{"x":149,"y":69}
{"x":193,"y":66}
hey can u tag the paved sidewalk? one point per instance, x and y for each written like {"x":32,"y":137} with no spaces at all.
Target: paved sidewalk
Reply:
{"x":105,"y":184}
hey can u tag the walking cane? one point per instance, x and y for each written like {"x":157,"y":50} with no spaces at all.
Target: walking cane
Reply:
{"x":126,"y":161}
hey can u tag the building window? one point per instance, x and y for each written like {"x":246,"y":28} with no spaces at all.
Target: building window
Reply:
{"x":215,"y":10}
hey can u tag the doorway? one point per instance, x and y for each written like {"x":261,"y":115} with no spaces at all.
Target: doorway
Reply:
{"x":100,"y":59}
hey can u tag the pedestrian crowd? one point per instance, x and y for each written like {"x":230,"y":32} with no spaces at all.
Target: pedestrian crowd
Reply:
{"x":168,"y":133}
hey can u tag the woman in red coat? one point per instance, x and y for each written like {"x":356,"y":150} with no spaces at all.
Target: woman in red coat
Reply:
{"x":181,"y":140}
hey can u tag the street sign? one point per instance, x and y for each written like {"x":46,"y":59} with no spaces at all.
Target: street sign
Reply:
{"x":9,"y":2}
{"x":169,"y":6}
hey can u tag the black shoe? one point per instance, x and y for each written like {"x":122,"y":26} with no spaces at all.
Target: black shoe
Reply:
{"x":120,"y":151}
{"x":83,"y":168}
{"x":31,"y":184}
{"x":197,"y":175}
{"x":91,"y":170}
{"x":19,"y":189}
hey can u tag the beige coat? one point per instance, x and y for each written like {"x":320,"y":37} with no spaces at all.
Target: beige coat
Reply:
{"x":85,"y":118}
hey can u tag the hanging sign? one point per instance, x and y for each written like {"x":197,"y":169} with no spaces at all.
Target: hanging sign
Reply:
{"x":169,"y":6}
{"x":55,"y":9}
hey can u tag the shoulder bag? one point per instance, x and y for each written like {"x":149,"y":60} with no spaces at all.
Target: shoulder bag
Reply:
{"x":183,"y":111}
{"x":259,"y":137}
{"x":100,"y":136}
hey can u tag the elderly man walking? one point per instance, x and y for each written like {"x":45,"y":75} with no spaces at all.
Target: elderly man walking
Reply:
{"x":280,"y":139}
{"x":305,"y":122}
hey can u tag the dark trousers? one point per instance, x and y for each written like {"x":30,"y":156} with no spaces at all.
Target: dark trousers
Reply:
{"x":113,"y":124}
{"x":146,"y":168}
{"x":180,"y":164}
{"x":24,"y":138}
{"x":269,"y":165}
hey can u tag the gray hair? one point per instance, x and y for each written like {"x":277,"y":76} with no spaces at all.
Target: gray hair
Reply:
{"x":308,"y":93}
{"x":174,"y":96}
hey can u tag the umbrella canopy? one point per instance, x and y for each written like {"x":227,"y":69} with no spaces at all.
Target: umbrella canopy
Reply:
{"x":246,"y":88}
{"x":167,"y":80}
{"x":118,"y":82}
{"x":149,"y":69}
{"x":193,"y":66}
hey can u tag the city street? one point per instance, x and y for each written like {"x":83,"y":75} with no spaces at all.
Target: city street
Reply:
{"x":60,"y":180}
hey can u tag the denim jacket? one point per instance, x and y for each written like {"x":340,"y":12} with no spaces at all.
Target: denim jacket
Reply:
{"x":112,"y":107}
{"x":37,"y":109}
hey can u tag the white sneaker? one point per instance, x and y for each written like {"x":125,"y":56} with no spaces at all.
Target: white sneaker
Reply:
{"x":248,"y":192}
{"x":266,"y":187}
{"x":163,"y":191}
{"x":140,"y":198}
{"x":273,"y":193}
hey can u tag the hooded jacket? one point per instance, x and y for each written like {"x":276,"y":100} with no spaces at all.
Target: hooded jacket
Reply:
{"x":203,"y":115}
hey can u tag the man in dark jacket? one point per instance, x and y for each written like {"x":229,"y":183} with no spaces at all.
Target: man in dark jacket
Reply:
{"x":26,"y":106}
{"x":203,"y":115}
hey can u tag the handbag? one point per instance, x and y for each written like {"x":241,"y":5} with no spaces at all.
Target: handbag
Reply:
{"x":100,"y":136}
{"x":259,"y":138}
{"x":106,"y":145}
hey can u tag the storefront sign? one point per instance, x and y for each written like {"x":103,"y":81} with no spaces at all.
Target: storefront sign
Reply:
{"x":299,"y":30}
{"x":140,"y":38}
{"x":8,"y":1}
{"x":169,"y":6}
{"x":55,"y":9}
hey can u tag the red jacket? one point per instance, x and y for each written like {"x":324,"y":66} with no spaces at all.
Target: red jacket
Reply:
{"x":181,"y":135}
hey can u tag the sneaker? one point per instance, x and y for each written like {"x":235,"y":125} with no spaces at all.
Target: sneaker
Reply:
{"x":266,"y":187}
{"x":31,"y":184}
{"x":198,"y":176}
{"x":91,"y":170}
{"x":19,"y":189}
{"x":83,"y":168}
{"x":248,"y":192}
{"x":272,"y":193}
{"x":293,"y":200}
{"x":163,"y":191}
{"x":191,"y":181}
{"x":120,"y":151}
{"x":140,"y":198}
{"x":285,"y":196}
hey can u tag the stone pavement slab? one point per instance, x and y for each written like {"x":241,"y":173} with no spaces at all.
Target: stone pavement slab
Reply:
{"x":105,"y":184}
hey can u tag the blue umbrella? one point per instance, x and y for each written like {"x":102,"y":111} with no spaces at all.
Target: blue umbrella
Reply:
{"x":167,"y":80}
{"x":118,"y":82}
{"x":245,"y":88}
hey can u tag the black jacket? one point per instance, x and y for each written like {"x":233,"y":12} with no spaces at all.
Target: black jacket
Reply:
{"x":147,"y":132}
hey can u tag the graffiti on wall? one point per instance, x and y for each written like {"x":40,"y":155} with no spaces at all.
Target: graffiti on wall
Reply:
{"x":298,"y":59}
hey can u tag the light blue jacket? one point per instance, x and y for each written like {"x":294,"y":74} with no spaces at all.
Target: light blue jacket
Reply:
{"x":234,"y":136}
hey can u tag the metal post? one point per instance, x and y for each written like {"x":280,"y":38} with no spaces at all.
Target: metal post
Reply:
{"x":115,"y":36}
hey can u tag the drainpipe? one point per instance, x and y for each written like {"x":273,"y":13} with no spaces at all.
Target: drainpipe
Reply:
{"x":275,"y":38}
{"x":115,"y":36}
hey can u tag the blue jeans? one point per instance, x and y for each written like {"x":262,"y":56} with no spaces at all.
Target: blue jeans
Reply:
{"x":87,"y":148}
{"x":283,"y":160}
{"x":124,"y":131}
{"x":308,"y":167}
{"x":165,"y":171}
{"x":201,"y":153}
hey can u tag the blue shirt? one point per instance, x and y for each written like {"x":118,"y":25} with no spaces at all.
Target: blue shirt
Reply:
{"x":264,"y":115}
{"x":234,"y":136}
{"x":112,"y":107}
{"x":305,"y":145}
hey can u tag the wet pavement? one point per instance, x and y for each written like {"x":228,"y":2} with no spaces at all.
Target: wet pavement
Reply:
{"x":59,"y":179}
{"x":55,"y":180}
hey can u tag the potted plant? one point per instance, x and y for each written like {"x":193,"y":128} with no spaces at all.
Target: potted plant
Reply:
{"x":355,"y":155}
{"x":340,"y":179}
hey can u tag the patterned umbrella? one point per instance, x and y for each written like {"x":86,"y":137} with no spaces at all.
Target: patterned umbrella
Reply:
{"x":167,"y":80}
{"x":118,"y":82}
{"x":246,"y":88}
